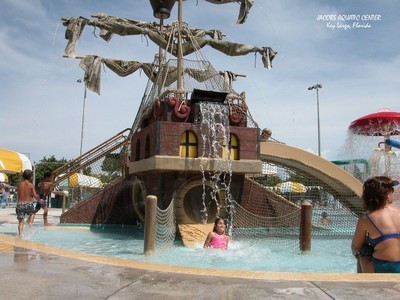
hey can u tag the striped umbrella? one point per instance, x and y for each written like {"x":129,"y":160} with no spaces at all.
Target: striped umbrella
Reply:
{"x":80,"y":180}
{"x":13,"y":162}
{"x":291,"y":187}
{"x":3,"y":177}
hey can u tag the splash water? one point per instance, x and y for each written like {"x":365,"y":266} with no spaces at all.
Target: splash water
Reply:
{"x":368,"y":134}
{"x":381,"y":161}
{"x":215,"y":134}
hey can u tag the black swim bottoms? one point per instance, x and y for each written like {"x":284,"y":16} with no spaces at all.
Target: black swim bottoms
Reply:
{"x":366,"y":250}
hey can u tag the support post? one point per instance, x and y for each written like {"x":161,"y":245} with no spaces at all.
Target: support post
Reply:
{"x":305,"y":226}
{"x":63,"y":203}
{"x":64,"y":199}
{"x":150,"y":225}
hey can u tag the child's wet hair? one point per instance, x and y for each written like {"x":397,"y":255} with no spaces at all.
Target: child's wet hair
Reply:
{"x":27,"y":174}
{"x":217,"y":221}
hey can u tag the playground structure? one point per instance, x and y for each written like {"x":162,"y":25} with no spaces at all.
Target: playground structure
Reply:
{"x":384,"y":159}
{"x":195,"y":146}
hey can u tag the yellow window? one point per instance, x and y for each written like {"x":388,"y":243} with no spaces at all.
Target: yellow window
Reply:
{"x":233,"y":148}
{"x":188,"y":145}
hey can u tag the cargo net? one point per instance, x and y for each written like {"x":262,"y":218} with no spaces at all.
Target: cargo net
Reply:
{"x":290,"y":188}
{"x":270,"y":210}
{"x":93,"y":178}
{"x":281,"y":230}
{"x":197,"y":74}
{"x":165,"y":227}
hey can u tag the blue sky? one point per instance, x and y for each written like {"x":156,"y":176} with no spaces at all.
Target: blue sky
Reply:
{"x":41,"y":100}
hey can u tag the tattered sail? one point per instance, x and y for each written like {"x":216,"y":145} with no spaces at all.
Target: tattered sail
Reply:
{"x":245,"y":6}
{"x":92,"y":66}
{"x":196,"y":37}
{"x":195,"y":40}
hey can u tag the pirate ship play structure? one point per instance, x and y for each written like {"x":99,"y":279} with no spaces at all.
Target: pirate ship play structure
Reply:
{"x":194,"y":144}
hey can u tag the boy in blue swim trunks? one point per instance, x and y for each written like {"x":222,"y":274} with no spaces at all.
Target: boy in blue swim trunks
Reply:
{"x":44,"y":188}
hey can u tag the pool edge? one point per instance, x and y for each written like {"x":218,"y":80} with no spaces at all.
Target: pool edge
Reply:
{"x":7,"y":243}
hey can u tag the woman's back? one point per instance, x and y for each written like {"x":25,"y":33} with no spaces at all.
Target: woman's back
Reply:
{"x":384,"y":232}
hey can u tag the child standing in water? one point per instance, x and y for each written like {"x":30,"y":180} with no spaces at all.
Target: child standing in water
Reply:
{"x":26,"y":192}
{"x":217,"y":238}
{"x":44,"y":187}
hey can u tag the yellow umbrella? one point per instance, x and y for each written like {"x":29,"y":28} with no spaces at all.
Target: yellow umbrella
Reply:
{"x":3,"y":177}
{"x":13,"y":162}
{"x":80,"y":180}
{"x":291,"y":187}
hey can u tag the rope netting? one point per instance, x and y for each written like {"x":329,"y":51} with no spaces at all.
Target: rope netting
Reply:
{"x":93,"y":178}
{"x":165,"y":226}
{"x":275,"y":216}
{"x":330,"y":217}
{"x":197,"y":74}
{"x":283,"y":229}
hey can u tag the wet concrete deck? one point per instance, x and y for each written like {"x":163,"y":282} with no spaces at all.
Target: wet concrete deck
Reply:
{"x":41,"y":272}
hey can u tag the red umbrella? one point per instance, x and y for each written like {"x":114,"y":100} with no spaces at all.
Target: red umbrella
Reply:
{"x":383,"y":123}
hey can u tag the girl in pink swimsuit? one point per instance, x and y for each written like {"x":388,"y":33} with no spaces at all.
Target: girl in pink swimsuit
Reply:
{"x":217,"y":238}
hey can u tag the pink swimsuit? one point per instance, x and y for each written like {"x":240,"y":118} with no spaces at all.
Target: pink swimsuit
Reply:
{"x":219,"y":241}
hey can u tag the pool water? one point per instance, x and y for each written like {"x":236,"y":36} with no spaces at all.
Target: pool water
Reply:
{"x":326,"y":256}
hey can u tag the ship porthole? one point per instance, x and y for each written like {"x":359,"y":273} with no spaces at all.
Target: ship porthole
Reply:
{"x":139,"y":195}
{"x":191,"y":208}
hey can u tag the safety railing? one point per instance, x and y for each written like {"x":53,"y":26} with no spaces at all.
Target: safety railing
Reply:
{"x":99,"y":152}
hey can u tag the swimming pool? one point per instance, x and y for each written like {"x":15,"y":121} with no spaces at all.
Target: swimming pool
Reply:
{"x":270,"y":255}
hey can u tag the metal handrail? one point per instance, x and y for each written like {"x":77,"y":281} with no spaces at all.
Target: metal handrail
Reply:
{"x":90,"y":156}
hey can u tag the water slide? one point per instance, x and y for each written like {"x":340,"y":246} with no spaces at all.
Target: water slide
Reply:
{"x":339,"y":182}
{"x":194,"y":235}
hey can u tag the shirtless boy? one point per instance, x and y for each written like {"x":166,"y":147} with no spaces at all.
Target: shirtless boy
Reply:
{"x":44,"y":187}
{"x":26,"y":192}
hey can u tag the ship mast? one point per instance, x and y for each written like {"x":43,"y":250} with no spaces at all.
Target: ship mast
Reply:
{"x":179,"y":82}
{"x":161,"y":56}
{"x":162,"y":10}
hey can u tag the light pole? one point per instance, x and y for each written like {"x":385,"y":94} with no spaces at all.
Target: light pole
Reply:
{"x":317,"y":87}
{"x":83,"y":112}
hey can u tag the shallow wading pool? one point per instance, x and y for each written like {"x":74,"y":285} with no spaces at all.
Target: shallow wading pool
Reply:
{"x":326,"y":255}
